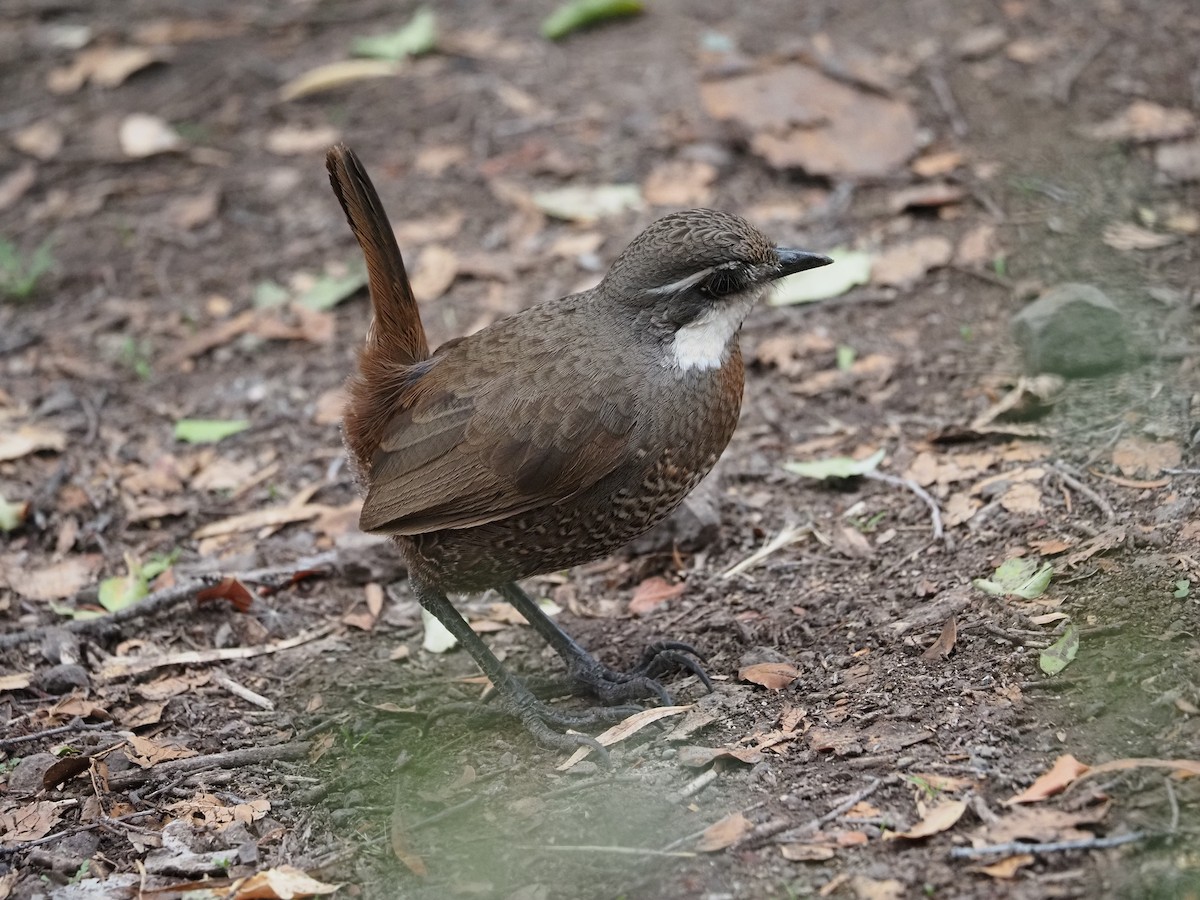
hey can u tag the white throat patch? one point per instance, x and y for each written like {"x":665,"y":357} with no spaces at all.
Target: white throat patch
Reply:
{"x":704,"y":343}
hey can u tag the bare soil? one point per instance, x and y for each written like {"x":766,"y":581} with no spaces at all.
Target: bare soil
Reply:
{"x":389,"y":804}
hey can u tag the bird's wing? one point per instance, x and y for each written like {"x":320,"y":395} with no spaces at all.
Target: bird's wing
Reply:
{"x":493,"y":445}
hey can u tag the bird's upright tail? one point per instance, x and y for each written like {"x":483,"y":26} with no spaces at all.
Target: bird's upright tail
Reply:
{"x":397,"y":337}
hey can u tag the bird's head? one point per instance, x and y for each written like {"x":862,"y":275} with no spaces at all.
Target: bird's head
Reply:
{"x":693,"y":276}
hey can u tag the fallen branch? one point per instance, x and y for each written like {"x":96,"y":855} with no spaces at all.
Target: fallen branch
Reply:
{"x":1015,"y":847}
{"x":167,"y":598}
{"x":229,"y":759}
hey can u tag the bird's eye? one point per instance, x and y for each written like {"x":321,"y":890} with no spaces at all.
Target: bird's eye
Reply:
{"x":724,"y":281}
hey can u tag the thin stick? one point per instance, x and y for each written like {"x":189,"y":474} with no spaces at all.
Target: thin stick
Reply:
{"x":945,"y":99}
{"x":601,"y":848}
{"x":1052,"y":847}
{"x":1075,"y":484}
{"x":230,"y":759}
{"x":935,"y":513}
{"x":759,"y":838}
{"x":167,"y":598}
{"x":240,"y":690}
{"x":1071,"y":72}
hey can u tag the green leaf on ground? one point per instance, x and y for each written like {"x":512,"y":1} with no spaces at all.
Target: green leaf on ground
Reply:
{"x":1182,"y":588}
{"x":577,"y":14}
{"x":837,"y":466}
{"x":328,"y":291}
{"x":270,"y":293}
{"x":12,"y":515}
{"x":1059,"y":655}
{"x":845,"y":357}
{"x":850,"y":269}
{"x":1017,"y":576}
{"x":208,"y":431}
{"x":417,"y":37}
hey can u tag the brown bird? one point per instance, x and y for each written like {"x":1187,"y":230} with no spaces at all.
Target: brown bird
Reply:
{"x":555,"y":436}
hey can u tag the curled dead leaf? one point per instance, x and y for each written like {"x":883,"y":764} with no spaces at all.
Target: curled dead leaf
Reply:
{"x":936,"y":820}
{"x":773,"y":676}
{"x":724,"y":833}
{"x":1064,"y":771}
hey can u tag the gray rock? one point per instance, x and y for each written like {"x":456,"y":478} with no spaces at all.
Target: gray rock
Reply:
{"x":61,"y":679}
{"x":25,"y":779}
{"x":1072,"y":329}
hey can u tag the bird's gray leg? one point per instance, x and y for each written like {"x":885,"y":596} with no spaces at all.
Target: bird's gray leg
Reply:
{"x":535,"y":715}
{"x":597,"y":678}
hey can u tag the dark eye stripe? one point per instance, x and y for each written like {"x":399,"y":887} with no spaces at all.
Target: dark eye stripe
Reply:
{"x":724,"y":281}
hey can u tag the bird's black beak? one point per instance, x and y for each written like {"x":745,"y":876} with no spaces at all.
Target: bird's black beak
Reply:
{"x":793,"y":261}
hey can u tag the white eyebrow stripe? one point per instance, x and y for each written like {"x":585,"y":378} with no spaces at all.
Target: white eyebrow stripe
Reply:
{"x":683,"y":283}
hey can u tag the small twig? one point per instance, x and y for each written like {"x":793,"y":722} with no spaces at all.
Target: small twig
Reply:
{"x":76,"y":724}
{"x":935,"y":513}
{"x":230,"y":759}
{"x":1075,"y":484}
{"x":758,"y":839}
{"x":106,"y":821}
{"x":242,"y":691}
{"x":160,"y":601}
{"x":602,"y":848}
{"x":1174,"y":806}
{"x":1052,"y":847}
{"x":945,"y":99}
{"x":1180,"y":471}
{"x":699,"y":783}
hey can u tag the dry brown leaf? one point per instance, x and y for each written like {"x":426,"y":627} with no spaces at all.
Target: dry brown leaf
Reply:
{"x":54,"y":581}
{"x":1104,"y":541}
{"x":1051,"y":546}
{"x":926,"y":196}
{"x":26,"y":439}
{"x":902,"y":265}
{"x":935,"y":821}
{"x":436,"y":269}
{"x":1065,"y":770}
{"x":1022,"y":499}
{"x":142,"y":751}
{"x":1040,"y":823}
{"x":336,"y":75}
{"x":806,"y":852}
{"x":141,"y":135}
{"x":697,"y":757}
{"x":31,"y":821}
{"x":872,"y":889}
{"x":931,"y":165}
{"x":1127,"y":236}
{"x":216,"y":813}
{"x":436,"y":159}
{"x":1030,"y":50}
{"x":1006,"y":868}
{"x":296,"y":140}
{"x":977,"y":247}
{"x":652,"y":593}
{"x":1140,"y":457}
{"x":15,"y":682}
{"x":944,"y":645}
{"x":193,"y":210}
{"x":441,"y":227}
{"x":1144,"y":121}
{"x":281,"y":883}
{"x":625,"y":729}
{"x":681,"y":182}
{"x":106,"y":66}
{"x":852,"y":839}
{"x":261,"y":518}
{"x":724,"y":833}
{"x":960,"y":508}
{"x":773,"y":676}
{"x":1189,"y":767}
{"x":798,"y":118}
{"x":42,"y":140}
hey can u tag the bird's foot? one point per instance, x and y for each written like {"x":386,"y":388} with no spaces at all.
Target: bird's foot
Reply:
{"x":587,"y":675}
{"x":550,"y":727}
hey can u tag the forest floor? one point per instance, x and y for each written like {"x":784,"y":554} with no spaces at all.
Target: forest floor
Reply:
{"x":875,"y":711}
